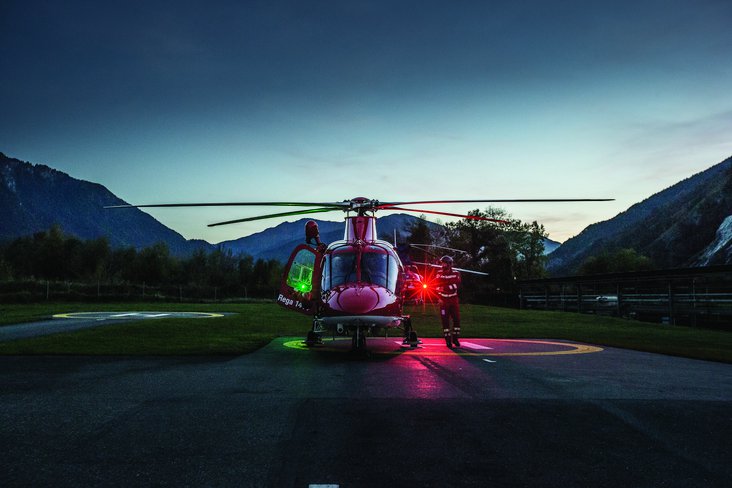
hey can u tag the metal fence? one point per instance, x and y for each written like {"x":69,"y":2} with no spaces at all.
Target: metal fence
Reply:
{"x":690,"y":296}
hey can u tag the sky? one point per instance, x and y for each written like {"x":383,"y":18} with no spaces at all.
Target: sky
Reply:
{"x":182,"y":101}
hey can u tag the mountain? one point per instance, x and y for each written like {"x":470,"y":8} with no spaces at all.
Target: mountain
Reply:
{"x":689,"y":224}
{"x":33,"y":197}
{"x":550,"y":246}
{"x":681,"y":226}
{"x":720,"y":250}
{"x":279,"y":241}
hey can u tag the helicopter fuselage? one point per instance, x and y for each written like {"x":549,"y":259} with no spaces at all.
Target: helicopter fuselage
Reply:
{"x":354,"y":283}
{"x":361,"y":285}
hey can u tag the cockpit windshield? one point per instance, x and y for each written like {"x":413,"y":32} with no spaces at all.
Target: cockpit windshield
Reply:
{"x":377,"y":267}
{"x":374,"y":268}
{"x":341,"y":268}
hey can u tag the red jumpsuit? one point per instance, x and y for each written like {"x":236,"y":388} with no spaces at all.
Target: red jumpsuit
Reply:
{"x":448,"y":281}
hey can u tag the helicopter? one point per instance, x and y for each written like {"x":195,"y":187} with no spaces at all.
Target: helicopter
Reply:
{"x":354,"y":286}
{"x":414,"y":285}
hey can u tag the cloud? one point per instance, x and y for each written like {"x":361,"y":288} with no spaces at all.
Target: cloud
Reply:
{"x":671,"y":150}
{"x":713,"y":127}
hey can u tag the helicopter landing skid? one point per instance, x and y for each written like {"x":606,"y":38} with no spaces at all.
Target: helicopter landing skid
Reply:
{"x":313,"y":339}
{"x":410,"y":335}
{"x":358,"y":340}
{"x":411,"y":340}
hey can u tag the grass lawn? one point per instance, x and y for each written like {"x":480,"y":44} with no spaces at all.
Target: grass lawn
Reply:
{"x":255,"y":324}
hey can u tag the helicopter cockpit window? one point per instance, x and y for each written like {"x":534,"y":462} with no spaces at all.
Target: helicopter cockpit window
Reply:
{"x":374,"y":268}
{"x":340,"y":268}
{"x":377,"y":267}
{"x":380,"y":267}
{"x":300,"y":277}
{"x":392,"y":274}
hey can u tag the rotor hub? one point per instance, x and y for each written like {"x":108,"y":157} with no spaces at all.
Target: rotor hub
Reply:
{"x":362,"y":205}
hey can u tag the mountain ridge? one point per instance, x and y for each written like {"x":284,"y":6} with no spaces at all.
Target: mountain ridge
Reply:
{"x":672,"y":227}
{"x":35,"y":197}
{"x":279,"y":241}
{"x":684,"y":225}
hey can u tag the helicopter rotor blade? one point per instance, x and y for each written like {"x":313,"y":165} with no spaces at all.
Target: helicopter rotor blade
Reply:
{"x":333,"y":205}
{"x":359,"y":205}
{"x":424,"y":248}
{"x":471,"y":217}
{"x":350,"y":204}
{"x":385,"y":205}
{"x":462,"y":270}
{"x":433,"y":246}
{"x":270,"y":216}
{"x":430,"y":253}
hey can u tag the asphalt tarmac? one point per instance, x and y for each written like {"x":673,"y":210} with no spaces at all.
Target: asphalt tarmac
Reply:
{"x":497,"y":413}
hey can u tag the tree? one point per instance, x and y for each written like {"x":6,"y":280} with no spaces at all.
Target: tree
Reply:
{"x":6,"y":271}
{"x":246,"y":268}
{"x":51,"y":253}
{"x":419,"y":233}
{"x":194,"y":268}
{"x":154,"y":264}
{"x":527,"y":242}
{"x":222,"y":268}
{"x":488,"y":252}
{"x":265,"y":277}
{"x":619,"y":261}
{"x":122,"y":264}
{"x":507,"y":251}
{"x":20,"y":255}
{"x":93,"y":259}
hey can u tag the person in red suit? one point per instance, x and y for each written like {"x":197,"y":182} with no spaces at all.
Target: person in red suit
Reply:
{"x":448,"y":281}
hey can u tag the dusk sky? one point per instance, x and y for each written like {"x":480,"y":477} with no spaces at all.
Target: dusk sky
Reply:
{"x":216,"y":101}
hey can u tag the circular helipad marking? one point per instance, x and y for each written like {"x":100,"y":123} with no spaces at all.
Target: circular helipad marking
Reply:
{"x":135,"y":315}
{"x":436,"y":347}
{"x":574,"y":348}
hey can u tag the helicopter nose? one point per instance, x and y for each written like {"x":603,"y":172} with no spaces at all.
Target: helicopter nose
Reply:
{"x":357,"y":300}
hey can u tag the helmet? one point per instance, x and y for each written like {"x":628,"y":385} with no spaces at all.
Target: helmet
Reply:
{"x":446,"y":260}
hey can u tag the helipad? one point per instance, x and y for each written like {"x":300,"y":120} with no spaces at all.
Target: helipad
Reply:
{"x":68,"y":322}
{"x":469,"y":347}
{"x":135,"y":315}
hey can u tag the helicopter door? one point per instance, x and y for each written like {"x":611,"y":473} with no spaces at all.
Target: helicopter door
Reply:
{"x":301,"y":279}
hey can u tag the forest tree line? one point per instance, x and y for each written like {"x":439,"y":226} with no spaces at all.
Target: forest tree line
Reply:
{"x":53,"y":255}
{"x":508,"y":252}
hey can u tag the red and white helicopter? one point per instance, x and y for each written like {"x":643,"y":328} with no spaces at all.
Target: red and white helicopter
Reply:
{"x":354,"y":286}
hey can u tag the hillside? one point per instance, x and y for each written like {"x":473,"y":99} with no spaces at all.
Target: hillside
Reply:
{"x":33,"y":197}
{"x":673,"y":227}
{"x":277,"y":242}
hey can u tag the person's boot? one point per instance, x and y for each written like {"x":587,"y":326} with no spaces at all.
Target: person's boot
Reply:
{"x":455,"y":341}
{"x":447,"y":341}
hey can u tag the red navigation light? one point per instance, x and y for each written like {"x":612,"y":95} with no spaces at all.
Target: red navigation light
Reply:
{"x":429,"y":285}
